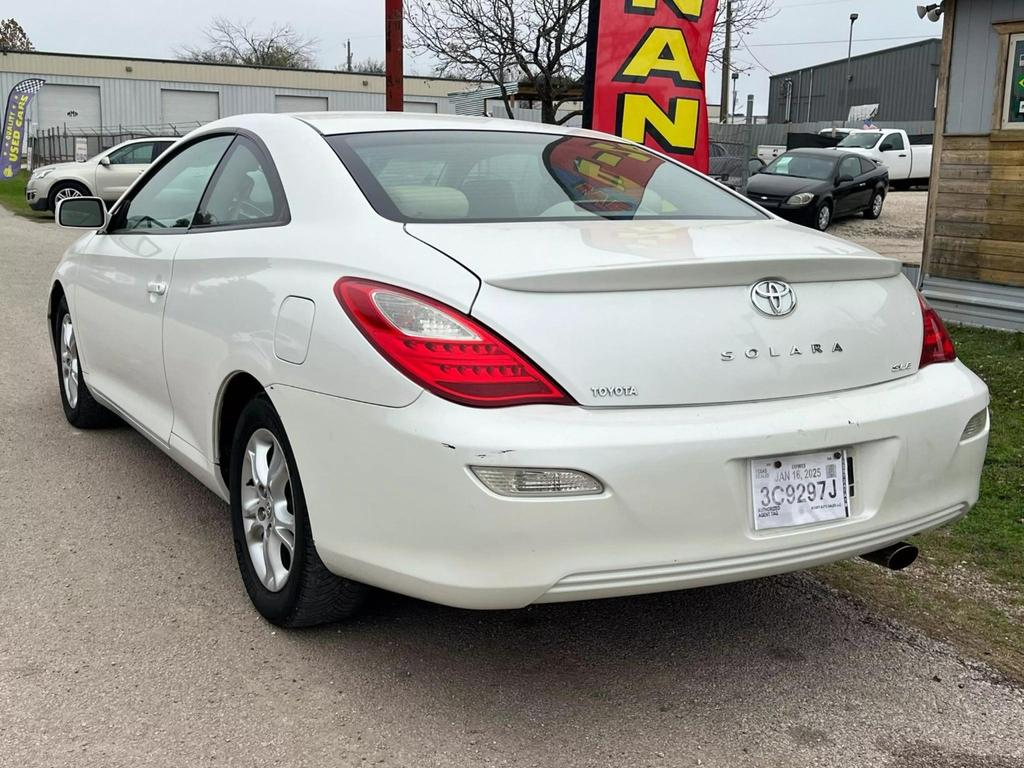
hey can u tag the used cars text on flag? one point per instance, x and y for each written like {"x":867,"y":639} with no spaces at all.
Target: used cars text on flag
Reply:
{"x":645,"y":74}
{"x":15,"y":125}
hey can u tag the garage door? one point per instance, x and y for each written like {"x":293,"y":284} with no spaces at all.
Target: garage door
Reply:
{"x":420,"y":106}
{"x":189,"y":107}
{"x":300,"y":103}
{"x":76,"y":106}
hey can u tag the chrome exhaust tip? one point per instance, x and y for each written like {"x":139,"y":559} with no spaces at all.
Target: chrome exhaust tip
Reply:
{"x":895,"y":557}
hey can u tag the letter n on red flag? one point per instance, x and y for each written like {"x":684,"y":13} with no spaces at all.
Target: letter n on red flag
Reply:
{"x":645,"y":74}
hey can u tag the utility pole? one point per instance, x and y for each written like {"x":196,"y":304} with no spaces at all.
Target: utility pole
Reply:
{"x":348,"y":55}
{"x":726,"y":64}
{"x":849,"y":53}
{"x":393,"y":59}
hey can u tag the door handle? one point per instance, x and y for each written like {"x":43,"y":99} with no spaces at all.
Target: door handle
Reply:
{"x":156,"y":288}
{"x":903,"y":155}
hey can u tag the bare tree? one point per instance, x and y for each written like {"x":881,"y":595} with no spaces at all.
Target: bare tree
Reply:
{"x":232,"y":42}
{"x":747,"y":15}
{"x":539,"y":42}
{"x":369,"y":66}
{"x":13,"y":37}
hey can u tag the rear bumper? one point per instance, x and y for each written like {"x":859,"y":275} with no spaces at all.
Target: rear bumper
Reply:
{"x":393,"y":504}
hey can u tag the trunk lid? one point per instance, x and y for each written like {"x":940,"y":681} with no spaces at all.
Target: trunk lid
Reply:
{"x":659,"y":313}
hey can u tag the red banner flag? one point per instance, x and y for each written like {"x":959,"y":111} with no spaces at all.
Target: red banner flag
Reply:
{"x":645,"y":74}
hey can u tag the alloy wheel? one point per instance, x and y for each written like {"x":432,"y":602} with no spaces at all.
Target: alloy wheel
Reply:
{"x":267,"y":510}
{"x":70,"y":369}
{"x":824,"y":217}
{"x":876,"y":205}
{"x":66,"y":194}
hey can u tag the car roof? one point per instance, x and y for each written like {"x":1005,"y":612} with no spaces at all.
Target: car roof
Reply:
{"x":827,"y":152}
{"x":331,"y":123}
{"x":145,"y":139}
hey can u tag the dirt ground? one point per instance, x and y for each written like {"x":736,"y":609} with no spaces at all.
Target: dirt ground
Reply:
{"x":899,"y":231}
{"x":128,"y":640}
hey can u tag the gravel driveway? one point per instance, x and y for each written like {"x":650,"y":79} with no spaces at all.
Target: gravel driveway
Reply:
{"x":898,"y":232}
{"x":127,"y":639}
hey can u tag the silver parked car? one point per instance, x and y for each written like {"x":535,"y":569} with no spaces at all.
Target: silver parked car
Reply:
{"x":107,"y":175}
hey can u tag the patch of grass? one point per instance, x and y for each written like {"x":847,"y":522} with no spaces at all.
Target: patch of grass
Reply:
{"x":969,"y":589}
{"x":12,"y":197}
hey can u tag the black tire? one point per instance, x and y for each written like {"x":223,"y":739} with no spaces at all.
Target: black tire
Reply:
{"x":871,"y":212}
{"x":312,"y":594}
{"x":64,"y":185}
{"x":821,"y":221}
{"x":85,"y":413}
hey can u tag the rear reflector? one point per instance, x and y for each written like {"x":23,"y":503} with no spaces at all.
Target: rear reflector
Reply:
{"x":975,"y":426}
{"x":443,"y":350}
{"x":519,"y":481}
{"x":937,"y":346}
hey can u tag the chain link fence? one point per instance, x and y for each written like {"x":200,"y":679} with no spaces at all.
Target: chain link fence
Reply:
{"x":733,"y":153}
{"x":64,"y":145}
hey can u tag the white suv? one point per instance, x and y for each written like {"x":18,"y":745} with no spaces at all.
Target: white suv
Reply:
{"x":107,"y":175}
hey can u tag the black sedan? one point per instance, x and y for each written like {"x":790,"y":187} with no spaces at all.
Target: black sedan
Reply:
{"x":815,"y":186}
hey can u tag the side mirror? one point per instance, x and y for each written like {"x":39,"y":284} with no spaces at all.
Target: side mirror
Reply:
{"x":844,"y":179}
{"x":81,"y":213}
{"x":105,"y":161}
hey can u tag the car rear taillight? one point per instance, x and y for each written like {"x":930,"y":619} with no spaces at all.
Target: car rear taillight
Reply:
{"x":442,"y":349}
{"x":937,"y":346}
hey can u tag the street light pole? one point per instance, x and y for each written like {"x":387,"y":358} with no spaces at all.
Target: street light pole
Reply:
{"x":849,"y":53}
{"x":735,"y":93}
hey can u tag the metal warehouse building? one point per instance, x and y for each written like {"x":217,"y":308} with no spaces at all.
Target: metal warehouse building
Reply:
{"x":903,"y":81}
{"x":103,"y":93}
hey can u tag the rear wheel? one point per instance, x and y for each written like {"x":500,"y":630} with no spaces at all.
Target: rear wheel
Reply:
{"x":65,"y":190}
{"x":823,"y":217}
{"x":80,"y":408}
{"x":286,"y":579}
{"x":874,"y":210}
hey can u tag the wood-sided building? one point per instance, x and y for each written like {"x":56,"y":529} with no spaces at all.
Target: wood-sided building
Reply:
{"x":974,"y":237}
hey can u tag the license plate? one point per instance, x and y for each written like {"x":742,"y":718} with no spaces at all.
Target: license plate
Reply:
{"x":799,"y":490}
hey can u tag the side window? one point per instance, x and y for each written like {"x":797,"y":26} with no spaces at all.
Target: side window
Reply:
{"x":867,"y":166}
{"x":244,"y":191}
{"x":850,"y":167}
{"x":133,"y":154}
{"x":170,"y":197}
{"x":892,"y":143}
{"x":159,"y":147}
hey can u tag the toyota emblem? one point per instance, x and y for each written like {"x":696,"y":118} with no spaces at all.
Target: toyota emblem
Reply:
{"x":774,"y":298}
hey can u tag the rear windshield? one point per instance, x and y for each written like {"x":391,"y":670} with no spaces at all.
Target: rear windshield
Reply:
{"x":475,"y":176}
{"x":861,"y":140}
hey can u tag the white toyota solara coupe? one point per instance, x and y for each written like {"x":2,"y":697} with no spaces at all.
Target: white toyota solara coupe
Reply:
{"x":491,"y":363}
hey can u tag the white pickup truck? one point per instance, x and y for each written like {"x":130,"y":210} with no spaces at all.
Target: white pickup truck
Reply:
{"x":908,"y":164}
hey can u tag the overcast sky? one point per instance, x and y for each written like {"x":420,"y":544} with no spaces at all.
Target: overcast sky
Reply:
{"x":803,"y":32}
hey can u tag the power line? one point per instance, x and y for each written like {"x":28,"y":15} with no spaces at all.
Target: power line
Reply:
{"x":759,"y":63}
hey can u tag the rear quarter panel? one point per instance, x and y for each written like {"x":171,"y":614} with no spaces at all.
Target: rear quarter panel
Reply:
{"x":228,"y":286}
